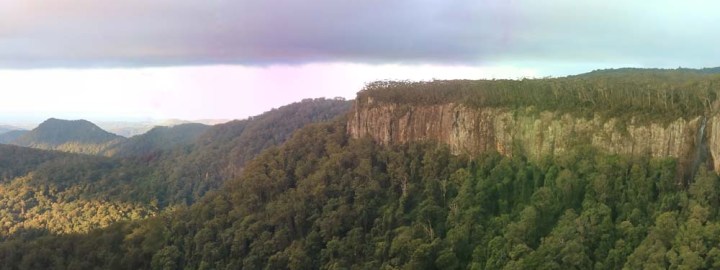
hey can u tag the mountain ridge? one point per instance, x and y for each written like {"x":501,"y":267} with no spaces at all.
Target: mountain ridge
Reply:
{"x":129,"y":129}
{"x":432,"y":175}
{"x":159,"y":138}
{"x":163,"y":169}
{"x":10,"y":136}
{"x":76,"y":136}
{"x":8,"y":128}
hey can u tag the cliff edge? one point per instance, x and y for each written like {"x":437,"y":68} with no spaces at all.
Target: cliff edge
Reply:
{"x":694,"y":139}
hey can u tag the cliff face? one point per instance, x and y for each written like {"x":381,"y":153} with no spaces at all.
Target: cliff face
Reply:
{"x":473,"y":131}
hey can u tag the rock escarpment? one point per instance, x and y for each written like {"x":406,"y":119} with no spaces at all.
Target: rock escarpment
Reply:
{"x":535,"y":134}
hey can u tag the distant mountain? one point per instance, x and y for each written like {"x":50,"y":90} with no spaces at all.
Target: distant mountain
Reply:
{"x":649,"y":71}
{"x":6,"y":128}
{"x":77,"y":136}
{"x":158,"y":138}
{"x":129,"y":129}
{"x":10,"y":136}
{"x":49,"y":192}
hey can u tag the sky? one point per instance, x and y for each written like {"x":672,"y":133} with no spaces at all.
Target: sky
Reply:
{"x":217,"y":59}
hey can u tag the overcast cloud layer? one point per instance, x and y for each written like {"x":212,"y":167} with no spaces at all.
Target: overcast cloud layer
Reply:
{"x":131,"y":33}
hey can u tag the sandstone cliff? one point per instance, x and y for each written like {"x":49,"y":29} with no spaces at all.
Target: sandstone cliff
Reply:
{"x":535,"y":134}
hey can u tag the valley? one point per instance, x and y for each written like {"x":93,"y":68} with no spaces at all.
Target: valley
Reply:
{"x":60,"y":192}
{"x":428,"y":175}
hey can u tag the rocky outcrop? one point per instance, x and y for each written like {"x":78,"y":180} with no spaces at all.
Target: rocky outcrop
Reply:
{"x":713,"y":141}
{"x":535,"y":134}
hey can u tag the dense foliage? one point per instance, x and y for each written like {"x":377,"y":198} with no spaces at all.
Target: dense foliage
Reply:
{"x":157,"y":139}
{"x":17,"y":161}
{"x":186,"y":174}
{"x":53,"y":192}
{"x":323,"y":201}
{"x":57,"y":192}
{"x":642,"y":93}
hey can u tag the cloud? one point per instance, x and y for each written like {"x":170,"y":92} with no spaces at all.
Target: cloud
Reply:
{"x":92,"y":33}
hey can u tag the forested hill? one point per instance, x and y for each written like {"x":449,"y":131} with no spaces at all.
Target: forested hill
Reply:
{"x":237,"y":142}
{"x":45,"y":192}
{"x":326,"y":201}
{"x":157,"y":139}
{"x":52,"y":192}
{"x":329,"y":198}
{"x":243,"y":138}
{"x":78,"y":136}
{"x":220,"y":153}
{"x":10,"y":136}
{"x":18,"y":161}
{"x":4,"y":129}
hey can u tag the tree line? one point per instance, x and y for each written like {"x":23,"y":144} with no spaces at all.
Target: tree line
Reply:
{"x":650,"y":94}
{"x":325,"y":201}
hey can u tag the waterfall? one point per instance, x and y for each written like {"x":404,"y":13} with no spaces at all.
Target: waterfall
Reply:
{"x":701,"y":149}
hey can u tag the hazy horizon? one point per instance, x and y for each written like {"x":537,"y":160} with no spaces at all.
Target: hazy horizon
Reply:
{"x":32,"y":122}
